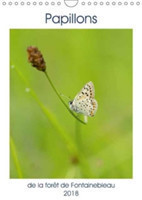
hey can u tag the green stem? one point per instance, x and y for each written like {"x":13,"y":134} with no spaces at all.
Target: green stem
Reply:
{"x":84,"y":166}
{"x":62,"y":99}
{"x":15,"y":158}
{"x":78,"y":134}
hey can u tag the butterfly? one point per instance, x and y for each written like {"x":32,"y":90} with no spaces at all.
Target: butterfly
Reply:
{"x":84,"y":102}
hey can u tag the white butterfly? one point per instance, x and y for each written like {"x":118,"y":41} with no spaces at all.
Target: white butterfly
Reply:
{"x":84,"y":101}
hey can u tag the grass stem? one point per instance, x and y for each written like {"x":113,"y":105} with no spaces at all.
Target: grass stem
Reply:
{"x":78,"y":134}
{"x":15,"y":158}
{"x":52,"y":85}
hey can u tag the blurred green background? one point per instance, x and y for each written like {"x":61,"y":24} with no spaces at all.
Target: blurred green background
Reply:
{"x":73,"y":58}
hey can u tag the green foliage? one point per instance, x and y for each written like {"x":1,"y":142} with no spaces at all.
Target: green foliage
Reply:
{"x":41,"y":126}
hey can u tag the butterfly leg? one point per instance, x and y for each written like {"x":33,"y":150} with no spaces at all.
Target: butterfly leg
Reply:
{"x":65,"y":96}
{"x":85,"y":119}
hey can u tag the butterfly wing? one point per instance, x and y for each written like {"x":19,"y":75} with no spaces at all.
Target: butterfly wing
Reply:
{"x":84,"y":101}
{"x":87,"y":91}
{"x":94,"y":108}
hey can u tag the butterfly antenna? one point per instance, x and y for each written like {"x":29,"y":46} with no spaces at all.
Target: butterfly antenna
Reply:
{"x":65,"y":96}
{"x":85,"y":119}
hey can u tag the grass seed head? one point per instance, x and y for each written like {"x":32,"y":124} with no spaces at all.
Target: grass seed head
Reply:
{"x":36,"y":58}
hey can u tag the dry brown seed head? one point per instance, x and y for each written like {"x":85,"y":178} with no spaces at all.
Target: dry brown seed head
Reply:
{"x":36,"y":58}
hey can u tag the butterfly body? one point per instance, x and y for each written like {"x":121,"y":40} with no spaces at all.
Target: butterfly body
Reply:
{"x":84,"y":102}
